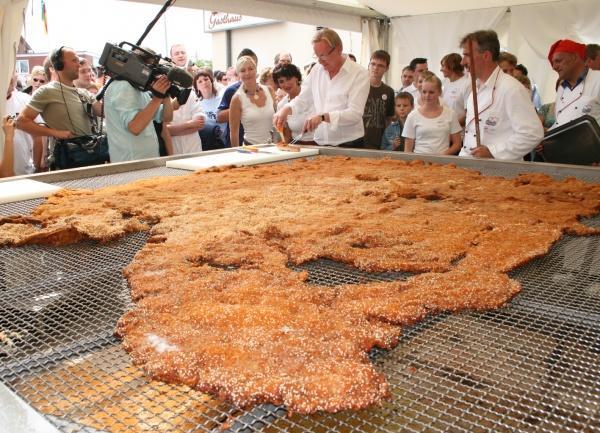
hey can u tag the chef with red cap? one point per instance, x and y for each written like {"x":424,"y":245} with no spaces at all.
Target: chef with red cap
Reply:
{"x":578,"y":90}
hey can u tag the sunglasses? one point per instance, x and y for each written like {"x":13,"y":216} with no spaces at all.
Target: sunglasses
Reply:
{"x":40,"y":80}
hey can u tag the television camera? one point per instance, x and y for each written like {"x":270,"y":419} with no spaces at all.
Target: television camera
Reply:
{"x":141,"y":67}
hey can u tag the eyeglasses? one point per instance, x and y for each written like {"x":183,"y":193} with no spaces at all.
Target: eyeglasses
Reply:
{"x":40,"y":80}
{"x":323,"y":56}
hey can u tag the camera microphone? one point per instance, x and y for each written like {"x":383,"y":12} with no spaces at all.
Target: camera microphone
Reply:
{"x":180,"y":77}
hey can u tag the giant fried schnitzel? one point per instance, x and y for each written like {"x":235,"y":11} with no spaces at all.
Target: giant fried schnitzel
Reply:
{"x":218,"y":306}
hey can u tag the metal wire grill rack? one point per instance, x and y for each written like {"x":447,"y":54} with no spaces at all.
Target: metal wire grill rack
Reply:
{"x":533,"y":366}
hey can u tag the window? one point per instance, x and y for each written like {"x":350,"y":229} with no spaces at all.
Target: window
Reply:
{"x":22,"y":67}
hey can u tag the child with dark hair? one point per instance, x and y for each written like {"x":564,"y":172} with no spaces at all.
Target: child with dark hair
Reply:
{"x":392,"y":136}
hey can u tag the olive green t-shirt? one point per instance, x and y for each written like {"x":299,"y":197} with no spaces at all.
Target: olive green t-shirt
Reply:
{"x":62,"y":108}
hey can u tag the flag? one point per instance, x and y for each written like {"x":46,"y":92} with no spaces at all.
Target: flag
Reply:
{"x":44,"y":17}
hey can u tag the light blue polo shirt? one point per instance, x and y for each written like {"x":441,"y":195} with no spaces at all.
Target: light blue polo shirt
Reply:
{"x":121,"y":104}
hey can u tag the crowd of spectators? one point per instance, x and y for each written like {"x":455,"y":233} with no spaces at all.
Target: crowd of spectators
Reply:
{"x":334,"y":101}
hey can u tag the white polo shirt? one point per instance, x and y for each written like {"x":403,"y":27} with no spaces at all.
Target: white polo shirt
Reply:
{"x":343,"y":97}
{"x":583,"y":99}
{"x":508,"y":123}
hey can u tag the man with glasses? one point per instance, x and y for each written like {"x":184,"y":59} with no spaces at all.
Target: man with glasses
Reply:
{"x":507,"y":119}
{"x":337,"y":90}
{"x":379,"y":109}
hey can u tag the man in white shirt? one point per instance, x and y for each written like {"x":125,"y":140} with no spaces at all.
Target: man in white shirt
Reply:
{"x":578,"y":91}
{"x":187,"y":118}
{"x":456,"y":84}
{"x":337,"y":88}
{"x":508,"y":122}
{"x":407,"y":78}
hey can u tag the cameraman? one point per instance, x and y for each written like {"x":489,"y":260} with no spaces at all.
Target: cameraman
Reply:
{"x":129,"y":114}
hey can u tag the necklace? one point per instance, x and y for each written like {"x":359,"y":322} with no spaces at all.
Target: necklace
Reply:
{"x":254,"y":95}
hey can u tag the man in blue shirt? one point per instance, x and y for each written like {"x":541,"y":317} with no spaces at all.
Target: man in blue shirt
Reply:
{"x":129,"y":114}
{"x":223,"y":113}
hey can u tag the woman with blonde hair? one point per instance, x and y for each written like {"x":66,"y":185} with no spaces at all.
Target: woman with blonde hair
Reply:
{"x":252,"y":106}
{"x":36,"y":79}
{"x":432,"y":128}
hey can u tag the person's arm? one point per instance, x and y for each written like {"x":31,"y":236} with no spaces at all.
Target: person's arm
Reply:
{"x":166,"y":136}
{"x":462,"y":118}
{"x":6,"y":165}
{"x":455,"y":138}
{"x":409,"y":132}
{"x":455,"y":144}
{"x":38,"y":150}
{"x":280,"y":117}
{"x":167,"y":113}
{"x":223,"y":116}
{"x":273,"y":98}
{"x":146,"y":115}
{"x":235,"y":116}
{"x":26,"y":122}
{"x":223,"y":110}
{"x":387,"y":138}
{"x":189,"y":126}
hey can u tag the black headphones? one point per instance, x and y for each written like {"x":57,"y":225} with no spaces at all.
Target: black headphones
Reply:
{"x":57,"y":60}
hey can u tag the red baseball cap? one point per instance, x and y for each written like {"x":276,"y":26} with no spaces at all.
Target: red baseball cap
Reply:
{"x":567,"y":46}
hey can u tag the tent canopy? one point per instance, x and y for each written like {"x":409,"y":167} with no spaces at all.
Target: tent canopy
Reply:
{"x":341,"y":14}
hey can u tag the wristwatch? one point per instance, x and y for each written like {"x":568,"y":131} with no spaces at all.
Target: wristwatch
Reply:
{"x":322,"y":117}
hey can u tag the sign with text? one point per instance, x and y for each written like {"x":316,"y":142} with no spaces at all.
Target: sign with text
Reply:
{"x":220,"y":21}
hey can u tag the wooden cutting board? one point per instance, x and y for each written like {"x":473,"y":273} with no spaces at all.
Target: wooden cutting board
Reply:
{"x":25,"y":189}
{"x":239,"y":158}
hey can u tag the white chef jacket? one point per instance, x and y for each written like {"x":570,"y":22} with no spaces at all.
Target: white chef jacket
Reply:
{"x":343,"y":97}
{"x":189,"y":143}
{"x":583,"y":99}
{"x":22,"y":142}
{"x":509,"y":125}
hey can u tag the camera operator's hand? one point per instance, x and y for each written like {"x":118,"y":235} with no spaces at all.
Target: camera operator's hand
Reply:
{"x":161,"y":86}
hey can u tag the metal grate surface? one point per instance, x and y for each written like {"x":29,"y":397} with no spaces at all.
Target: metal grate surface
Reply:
{"x":533,"y":366}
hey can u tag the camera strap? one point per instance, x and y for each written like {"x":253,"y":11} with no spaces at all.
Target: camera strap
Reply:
{"x":88,"y":108}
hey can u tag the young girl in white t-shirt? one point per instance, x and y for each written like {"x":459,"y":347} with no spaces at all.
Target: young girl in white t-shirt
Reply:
{"x":433,"y":128}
